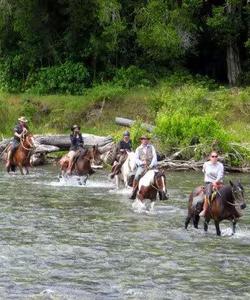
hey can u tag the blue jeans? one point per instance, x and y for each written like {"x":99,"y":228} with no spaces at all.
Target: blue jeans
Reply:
{"x":139,"y":172}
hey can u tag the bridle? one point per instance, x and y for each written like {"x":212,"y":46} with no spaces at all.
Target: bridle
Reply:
{"x":238,"y":190}
{"x":22,"y":139}
{"x":153,"y":185}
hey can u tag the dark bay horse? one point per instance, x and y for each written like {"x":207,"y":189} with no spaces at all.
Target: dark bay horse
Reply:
{"x":151,"y":184}
{"x":21,"y":157}
{"x":225,"y":206}
{"x":82,"y":165}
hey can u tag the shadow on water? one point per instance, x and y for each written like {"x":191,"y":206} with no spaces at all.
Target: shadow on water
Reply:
{"x":86,"y":242}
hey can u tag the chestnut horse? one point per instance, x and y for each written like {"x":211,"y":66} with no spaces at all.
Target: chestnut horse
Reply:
{"x":82,"y":162}
{"x":223,"y":207}
{"x":21,"y":157}
{"x":151,"y":184}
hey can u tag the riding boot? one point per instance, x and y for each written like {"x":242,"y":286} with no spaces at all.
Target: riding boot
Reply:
{"x":135,"y":188}
{"x":205,"y":207}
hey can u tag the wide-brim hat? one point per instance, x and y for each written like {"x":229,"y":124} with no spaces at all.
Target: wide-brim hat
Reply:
{"x":144,"y":137}
{"x":23,"y":119}
{"x":75,"y":126}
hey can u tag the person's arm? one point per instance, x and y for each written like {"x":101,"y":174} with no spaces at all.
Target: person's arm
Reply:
{"x":204,"y":168}
{"x":154,"y":159}
{"x":73,"y":139}
{"x":220,"y":173}
{"x":81,"y":139}
{"x":16,"y":129}
{"x":137,"y":159}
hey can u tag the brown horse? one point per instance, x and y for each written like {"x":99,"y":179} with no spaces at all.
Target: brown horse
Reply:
{"x":82,"y":162}
{"x":21,"y":157}
{"x":223,"y":206}
{"x":151,"y":184}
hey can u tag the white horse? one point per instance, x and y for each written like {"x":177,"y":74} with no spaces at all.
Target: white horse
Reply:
{"x":127,"y":168}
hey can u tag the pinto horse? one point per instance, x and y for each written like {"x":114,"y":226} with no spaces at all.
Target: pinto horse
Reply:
{"x":224,"y":206}
{"x":127,"y":171}
{"x":83,"y":160}
{"x":21,"y":157}
{"x":151,"y":184}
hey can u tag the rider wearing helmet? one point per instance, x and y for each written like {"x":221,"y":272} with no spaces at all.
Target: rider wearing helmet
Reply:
{"x":19,"y":130}
{"x":76,"y":144}
{"x":124,"y":146}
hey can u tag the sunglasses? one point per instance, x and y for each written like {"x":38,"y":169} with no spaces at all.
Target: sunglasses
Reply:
{"x":214,"y":156}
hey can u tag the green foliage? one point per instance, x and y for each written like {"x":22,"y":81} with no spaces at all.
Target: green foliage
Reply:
{"x":132,"y":77}
{"x":68,"y":78}
{"x":180,"y":130}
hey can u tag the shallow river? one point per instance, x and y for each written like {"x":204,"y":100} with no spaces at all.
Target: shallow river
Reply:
{"x":85,"y":242}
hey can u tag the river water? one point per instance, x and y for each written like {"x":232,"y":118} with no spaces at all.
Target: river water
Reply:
{"x":64,"y":241}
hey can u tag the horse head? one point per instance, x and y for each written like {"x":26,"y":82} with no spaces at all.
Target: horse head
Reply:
{"x":238,"y":194}
{"x":96,"y":155}
{"x":160,"y":184}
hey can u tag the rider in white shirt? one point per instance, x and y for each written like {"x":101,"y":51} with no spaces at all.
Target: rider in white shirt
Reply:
{"x":214,"y":173}
{"x":145,"y":158}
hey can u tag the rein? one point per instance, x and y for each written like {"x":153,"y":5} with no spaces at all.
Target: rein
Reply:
{"x":28,"y":149}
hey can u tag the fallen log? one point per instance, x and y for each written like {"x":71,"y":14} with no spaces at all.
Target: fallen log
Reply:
{"x":182,"y":165}
{"x":63,"y":141}
{"x":128,"y":123}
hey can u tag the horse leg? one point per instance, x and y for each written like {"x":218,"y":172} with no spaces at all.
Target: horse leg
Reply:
{"x":188,"y":218}
{"x":217,"y":226}
{"x":234,"y":226}
{"x":206,"y":224}
{"x":196,"y":219}
{"x":27,"y":171}
{"x":21,"y":169}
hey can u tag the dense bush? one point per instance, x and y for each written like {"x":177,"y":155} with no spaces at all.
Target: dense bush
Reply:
{"x":68,"y":78}
{"x":132,"y":77}
{"x":180,"y":130}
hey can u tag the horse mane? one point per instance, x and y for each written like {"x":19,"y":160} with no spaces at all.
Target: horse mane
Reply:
{"x":226,"y":194}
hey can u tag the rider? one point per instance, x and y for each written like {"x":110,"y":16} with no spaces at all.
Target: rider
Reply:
{"x":145,"y":158}
{"x":76,"y":144}
{"x":123,"y":147}
{"x":19,"y":130}
{"x":214,"y":172}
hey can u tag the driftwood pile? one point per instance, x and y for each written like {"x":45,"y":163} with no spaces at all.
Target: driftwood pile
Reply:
{"x":54,"y":143}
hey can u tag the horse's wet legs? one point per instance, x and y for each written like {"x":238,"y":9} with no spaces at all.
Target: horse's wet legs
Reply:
{"x":196,"y":219}
{"x":217,"y":226}
{"x":188,"y":218}
{"x":234,"y":226}
{"x":21,"y":169}
{"x":27,"y":171}
{"x":206,"y":224}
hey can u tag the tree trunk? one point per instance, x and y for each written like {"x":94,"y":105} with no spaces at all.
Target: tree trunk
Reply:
{"x":233,"y":63}
{"x":233,"y":56}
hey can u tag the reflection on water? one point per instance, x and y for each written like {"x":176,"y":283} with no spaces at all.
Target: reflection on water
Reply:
{"x":86,"y":242}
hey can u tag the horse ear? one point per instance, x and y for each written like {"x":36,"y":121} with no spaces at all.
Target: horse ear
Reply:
{"x":231,"y":183}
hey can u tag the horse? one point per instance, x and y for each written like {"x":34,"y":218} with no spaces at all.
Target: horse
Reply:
{"x":151,"y":184}
{"x":21,"y":157}
{"x":82,"y":165}
{"x":223,"y":206}
{"x":127,"y":171}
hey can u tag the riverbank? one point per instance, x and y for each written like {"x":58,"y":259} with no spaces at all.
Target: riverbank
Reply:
{"x":191,"y":115}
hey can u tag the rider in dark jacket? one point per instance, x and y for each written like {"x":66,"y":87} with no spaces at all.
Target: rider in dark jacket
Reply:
{"x":76,"y":144}
{"x":124,"y":146}
{"x":19,"y":130}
